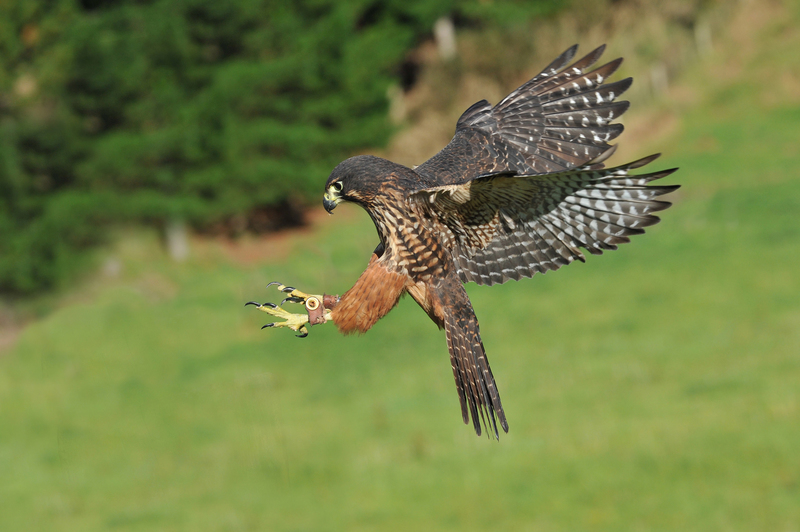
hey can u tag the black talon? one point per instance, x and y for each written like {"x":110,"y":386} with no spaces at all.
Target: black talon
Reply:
{"x":288,"y":289}
{"x":270,"y":305}
{"x":272,"y":283}
{"x":302,"y":335}
{"x":292,"y":300}
{"x":252,"y":303}
{"x":268,"y":325}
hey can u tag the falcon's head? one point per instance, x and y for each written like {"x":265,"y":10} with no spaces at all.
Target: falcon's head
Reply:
{"x":360,"y":179}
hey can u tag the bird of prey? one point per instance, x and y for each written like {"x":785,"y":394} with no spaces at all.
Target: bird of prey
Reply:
{"x":518,"y":190}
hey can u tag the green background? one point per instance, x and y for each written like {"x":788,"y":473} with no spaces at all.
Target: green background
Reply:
{"x":654,"y":388}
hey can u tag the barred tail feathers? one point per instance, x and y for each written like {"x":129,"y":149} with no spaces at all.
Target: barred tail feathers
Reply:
{"x":475,"y":384}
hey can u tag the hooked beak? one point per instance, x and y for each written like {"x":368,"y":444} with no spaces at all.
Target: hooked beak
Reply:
{"x":330,"y":201}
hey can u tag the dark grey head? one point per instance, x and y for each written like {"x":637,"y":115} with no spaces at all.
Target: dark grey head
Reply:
{"x":359,"y":179}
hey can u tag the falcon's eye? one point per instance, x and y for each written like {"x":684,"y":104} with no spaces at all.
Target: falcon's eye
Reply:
{"x":337,"y":186}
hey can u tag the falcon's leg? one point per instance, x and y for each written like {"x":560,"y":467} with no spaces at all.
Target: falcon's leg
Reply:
{"x":315,"y":312}
{"x":374,"y":294}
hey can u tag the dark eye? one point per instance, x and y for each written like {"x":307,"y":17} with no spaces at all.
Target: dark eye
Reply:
{"x":337,"y":186}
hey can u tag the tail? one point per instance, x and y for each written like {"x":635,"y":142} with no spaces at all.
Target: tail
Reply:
{"x":477,"y":390}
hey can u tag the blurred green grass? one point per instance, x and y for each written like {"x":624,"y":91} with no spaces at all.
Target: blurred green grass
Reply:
{"x":653,"y":388}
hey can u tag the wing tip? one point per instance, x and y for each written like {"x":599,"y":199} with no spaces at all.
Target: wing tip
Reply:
{"x":656,"y":206}
{"x":623,"y":84}
{"x":603,"y":156}
{"x":561,"y":61}
{"x":638,"y":163}
{"x":590,"y":58}
{"x":571,"y":51}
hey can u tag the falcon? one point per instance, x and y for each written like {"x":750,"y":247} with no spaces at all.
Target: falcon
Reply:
{"x":520,"y":189}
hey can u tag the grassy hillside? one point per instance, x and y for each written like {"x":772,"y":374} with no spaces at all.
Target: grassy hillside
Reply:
{"x":653,"y":388}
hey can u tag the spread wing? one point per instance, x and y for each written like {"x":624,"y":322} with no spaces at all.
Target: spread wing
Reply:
{"x":503,"y":226}
{"x":558,"y":120}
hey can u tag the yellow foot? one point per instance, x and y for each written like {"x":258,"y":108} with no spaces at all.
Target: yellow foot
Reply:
{"x":295,"y":295}
{"x":296,"y":322}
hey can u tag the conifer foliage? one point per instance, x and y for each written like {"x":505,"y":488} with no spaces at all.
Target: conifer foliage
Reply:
{"x":146,"y":111}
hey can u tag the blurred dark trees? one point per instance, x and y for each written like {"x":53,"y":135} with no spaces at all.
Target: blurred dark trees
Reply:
{"x":223,"y":114}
